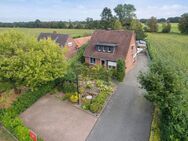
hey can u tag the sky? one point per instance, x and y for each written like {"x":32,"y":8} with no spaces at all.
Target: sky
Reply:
{"x":65,"y":10}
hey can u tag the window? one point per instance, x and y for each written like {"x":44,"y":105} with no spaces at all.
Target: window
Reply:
{"x":99,"y":48}
{"x":110,"y":49}
{"x":70,"y":44}
{"x":92,"y":60}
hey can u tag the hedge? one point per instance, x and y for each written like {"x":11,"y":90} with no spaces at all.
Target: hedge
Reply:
{"x":10,"y":117}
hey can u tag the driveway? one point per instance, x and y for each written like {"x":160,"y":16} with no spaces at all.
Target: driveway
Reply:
{"x":54,"y":120}
{"x":128,"y":114}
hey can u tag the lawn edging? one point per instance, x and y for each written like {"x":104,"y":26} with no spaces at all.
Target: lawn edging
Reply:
{"x":10,"y":117}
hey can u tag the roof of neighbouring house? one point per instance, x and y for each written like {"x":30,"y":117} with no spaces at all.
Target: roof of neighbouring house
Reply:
{"x":81,"y":41}
{"x":120,"y":38}
{"x":60,"y":39}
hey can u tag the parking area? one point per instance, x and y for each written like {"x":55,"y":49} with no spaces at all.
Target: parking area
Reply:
{"x":55,"y":120}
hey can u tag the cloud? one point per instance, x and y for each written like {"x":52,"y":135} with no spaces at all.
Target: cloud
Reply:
{"x":162,"y":11}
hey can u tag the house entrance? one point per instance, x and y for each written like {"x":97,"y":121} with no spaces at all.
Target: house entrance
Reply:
{"x":103,"y":62}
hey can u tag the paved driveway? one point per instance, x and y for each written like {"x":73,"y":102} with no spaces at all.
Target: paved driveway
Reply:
{"x":128,"y":115}
{"x":55,"y":120}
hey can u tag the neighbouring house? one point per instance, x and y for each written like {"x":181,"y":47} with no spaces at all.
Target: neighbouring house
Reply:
{"x":108,"y":46}
{"x":81,"y":41}
{"x":63,"y":40}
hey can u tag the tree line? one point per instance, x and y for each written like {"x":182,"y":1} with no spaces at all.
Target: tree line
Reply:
{"x":89,"y":23}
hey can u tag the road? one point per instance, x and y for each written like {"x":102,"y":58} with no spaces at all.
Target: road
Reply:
{"x":128,"y":114}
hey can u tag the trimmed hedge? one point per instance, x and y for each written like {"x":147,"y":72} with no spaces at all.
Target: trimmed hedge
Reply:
{"x":10,"y":117}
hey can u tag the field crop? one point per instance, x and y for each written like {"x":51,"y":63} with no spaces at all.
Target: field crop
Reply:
{"x":170,"y":47}
{"x":36,"y":31}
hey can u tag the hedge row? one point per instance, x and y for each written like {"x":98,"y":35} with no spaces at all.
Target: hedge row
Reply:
{"x":10,"y":117}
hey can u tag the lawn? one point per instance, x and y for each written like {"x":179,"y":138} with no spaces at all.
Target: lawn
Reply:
{"x":36,"y":31}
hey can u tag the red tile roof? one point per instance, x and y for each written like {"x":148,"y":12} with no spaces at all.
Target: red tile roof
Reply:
{"x":81,"y":41}
{"x":120,"y":37}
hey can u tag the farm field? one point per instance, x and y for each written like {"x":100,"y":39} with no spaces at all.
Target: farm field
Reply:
{"x":170,"y":47}
{"x":36,"y":31}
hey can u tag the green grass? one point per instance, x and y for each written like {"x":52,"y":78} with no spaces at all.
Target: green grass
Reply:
{"x":4,"y":136}
{"x":36,"y":31}
{"x":171,"y":47}
{"x":174,"y":28}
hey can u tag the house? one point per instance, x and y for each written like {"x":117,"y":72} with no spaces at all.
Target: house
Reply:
{"x":81,"y":41}
{"x":63,"y":40}
{"x":108,"y":46}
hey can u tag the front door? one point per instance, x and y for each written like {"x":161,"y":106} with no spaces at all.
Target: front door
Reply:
{"x":103,"y":63}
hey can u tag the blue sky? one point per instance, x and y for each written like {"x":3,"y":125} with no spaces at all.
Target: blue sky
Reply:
{"x":49,"y":10}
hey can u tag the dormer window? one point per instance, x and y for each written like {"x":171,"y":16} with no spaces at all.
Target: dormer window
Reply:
{"x":108,"y":48}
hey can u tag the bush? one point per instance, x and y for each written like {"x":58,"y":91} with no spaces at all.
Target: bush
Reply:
{"x":166,"y":27}
{"x":10,"y":119}
{"x":69,"y":87}
{"x":165,"y":88}
{"x":74,"y":98}
{"x":99,"y":101}
{"x":183,"y":24}
{"x":120,"y":70}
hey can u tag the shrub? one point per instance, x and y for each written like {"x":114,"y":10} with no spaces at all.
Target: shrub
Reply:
{"x":120,"y":70}
{"x":69,"y":87}
{"x":86,"y":104}
{"x":165,"y":88}
{"x":74,"y":98}
{"x":95,"y":107}
{"x":166,"y":27}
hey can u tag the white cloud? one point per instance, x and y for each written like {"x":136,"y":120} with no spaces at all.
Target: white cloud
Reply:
{"x":162,"y":11}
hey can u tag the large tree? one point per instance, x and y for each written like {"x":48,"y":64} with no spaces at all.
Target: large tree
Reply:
{"x":183,"y":23}
{"x":125,"y":13}
{"x":27,"y":62}
{"x":152,"y":24}
{"x":117,"y":25}
{"x":106,"y":18}
{"x":136,"y":25}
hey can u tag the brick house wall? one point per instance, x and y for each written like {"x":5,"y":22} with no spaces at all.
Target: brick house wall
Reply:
{"x":129,"y":59}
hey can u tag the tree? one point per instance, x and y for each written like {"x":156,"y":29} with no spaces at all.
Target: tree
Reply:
{"x":120,"y":70}
{"x":173,"y":19}
{"x":165,"y":88}
{"x":166,"y":27}
{"x":106,"y":18}
{"x":152,"y":24}
{"x":117,"y":25}
{"x":137,"y":27}
{"x":183,"y":24}
{"x":27,"y":62}
{"x":125,"y":13}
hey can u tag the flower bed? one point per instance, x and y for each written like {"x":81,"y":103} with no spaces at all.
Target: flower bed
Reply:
{"x":93,"y":95}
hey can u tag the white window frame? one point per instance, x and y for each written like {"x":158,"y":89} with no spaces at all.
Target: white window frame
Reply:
{"x":91,"y":60}
{"x":70,"y":44}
